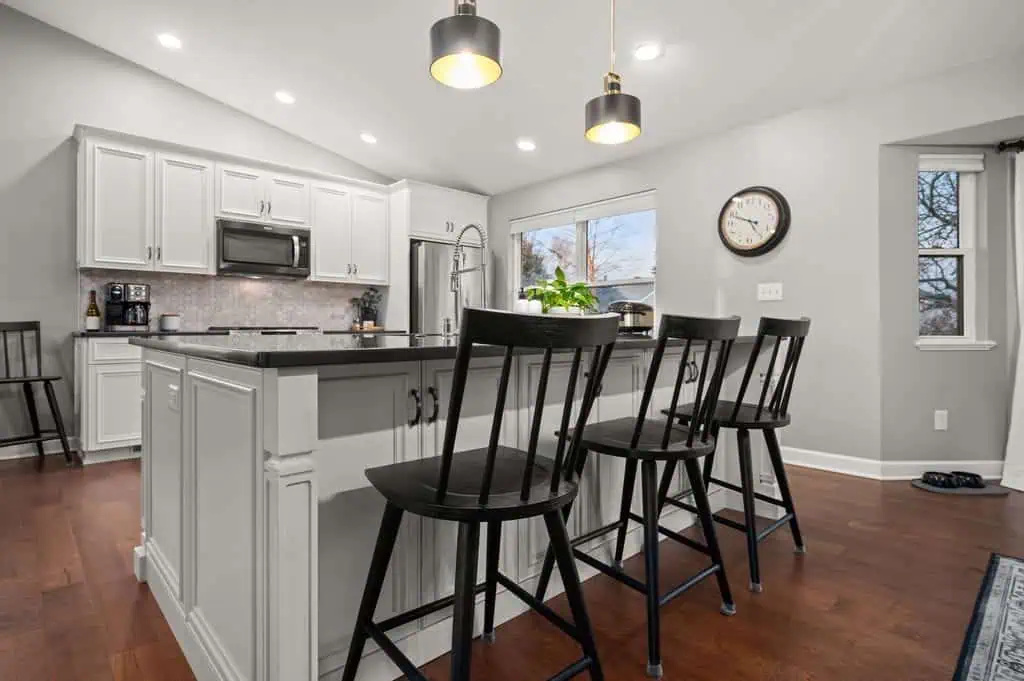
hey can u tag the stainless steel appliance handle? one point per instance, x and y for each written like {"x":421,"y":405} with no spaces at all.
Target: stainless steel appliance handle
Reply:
{"x":296,"y":248}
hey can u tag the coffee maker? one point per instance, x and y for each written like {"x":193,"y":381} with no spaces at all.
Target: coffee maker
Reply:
{"x":127,"y":307}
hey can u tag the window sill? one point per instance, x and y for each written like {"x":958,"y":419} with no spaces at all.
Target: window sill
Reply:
{"x":953,"y":344}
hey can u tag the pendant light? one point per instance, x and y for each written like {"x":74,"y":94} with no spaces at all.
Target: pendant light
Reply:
{"x":465,"y":49}
{"x":614,"y":117}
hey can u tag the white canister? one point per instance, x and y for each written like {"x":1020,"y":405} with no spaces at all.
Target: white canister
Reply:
{"x":522,"y":306}
{"x":535,"y":307}
{"x":170,"y":322}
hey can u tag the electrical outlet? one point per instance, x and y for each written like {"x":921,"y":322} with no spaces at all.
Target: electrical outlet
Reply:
{"x":173,"y":403}
{"x":941,"y":419}
{"x":771,"y":291}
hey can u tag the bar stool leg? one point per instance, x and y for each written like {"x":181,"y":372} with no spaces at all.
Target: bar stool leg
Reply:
{"x":749,"y":508}
{"x":467,"y":554}
{"x":33,"y":417}
{"x":649,"y":481}
{"x":628,"y":483}
{"x":775,"y":453}
{"x":386,"y":538}
{"x":709,"y":460}
{"x":707,"y":523}
{"x":666,"y":484}
{"x":562,"y":551}
{"x":58,"y":421}
{"x":491,"y":594}
{"x":549,"y":558}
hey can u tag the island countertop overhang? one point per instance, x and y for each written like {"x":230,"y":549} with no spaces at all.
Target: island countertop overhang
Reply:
{"x":279,"y":352}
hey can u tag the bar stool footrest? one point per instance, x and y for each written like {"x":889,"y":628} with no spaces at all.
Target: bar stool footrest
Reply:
{"x":757,"y":495}
{"x":391,"y":650}
{"x":577,"y":667}
{"x":671,"y":534}
{"x":409,"y":616}
{"x":675,"y":592}
{"x":616,"y":574}
{"x":774,"y":526}
{"x":550,"y":615}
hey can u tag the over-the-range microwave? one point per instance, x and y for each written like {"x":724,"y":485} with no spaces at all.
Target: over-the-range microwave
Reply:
{"x":253,"y":249}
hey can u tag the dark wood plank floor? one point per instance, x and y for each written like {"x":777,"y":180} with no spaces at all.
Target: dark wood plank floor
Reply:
{"x":885,"y":591}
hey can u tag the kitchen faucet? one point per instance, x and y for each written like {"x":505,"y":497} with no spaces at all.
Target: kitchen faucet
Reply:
{"x":458,"y":271}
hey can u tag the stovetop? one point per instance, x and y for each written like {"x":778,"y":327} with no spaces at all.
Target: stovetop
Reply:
{"x":268,"y":330}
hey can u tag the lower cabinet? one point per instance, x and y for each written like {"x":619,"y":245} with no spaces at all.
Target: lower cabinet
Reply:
{"x":108,"y":397}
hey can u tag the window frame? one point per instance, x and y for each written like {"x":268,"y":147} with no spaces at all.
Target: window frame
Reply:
{"x":970,"y":238}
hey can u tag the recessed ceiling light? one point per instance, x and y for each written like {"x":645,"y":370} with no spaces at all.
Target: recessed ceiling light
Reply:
{"x":526,"y":145}
{"x":171,"y":42}
{"x":647,"y":51}
{"x":284,"y":97}
{"x":368,"y":138}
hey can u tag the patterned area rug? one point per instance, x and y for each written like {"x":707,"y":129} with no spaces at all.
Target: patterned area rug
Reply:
{"x":994,"y":648}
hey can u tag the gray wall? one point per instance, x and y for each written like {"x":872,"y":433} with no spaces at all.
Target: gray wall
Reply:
{"x":826,"y":161}
{"x":973,"y":386}
{"x":50,"y":81}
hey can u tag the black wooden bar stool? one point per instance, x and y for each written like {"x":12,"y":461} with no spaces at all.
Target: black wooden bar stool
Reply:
{"x":18,"y":339}
{"x":644,"y":441}
{"x":763,"y":416}
{"x":492,"y":485}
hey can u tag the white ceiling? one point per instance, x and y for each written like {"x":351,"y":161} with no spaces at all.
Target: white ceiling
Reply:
{"x":361,"y":65}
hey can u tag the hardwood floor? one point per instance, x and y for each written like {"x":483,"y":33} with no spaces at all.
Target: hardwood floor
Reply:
{"x":885,"y":591}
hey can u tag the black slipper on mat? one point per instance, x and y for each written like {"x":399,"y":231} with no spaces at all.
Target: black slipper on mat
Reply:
{"x":964,"y":479}
{"x":944,"y":480}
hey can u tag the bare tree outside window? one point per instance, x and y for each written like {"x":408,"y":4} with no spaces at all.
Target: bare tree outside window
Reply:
{"x":939,"y":275}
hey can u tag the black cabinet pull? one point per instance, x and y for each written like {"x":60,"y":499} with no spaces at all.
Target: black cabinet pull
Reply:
{"x":432,"y":391}
{"x":415,"y":394}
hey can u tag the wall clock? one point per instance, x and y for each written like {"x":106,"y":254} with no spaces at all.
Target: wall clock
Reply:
{"x":754,"y":221}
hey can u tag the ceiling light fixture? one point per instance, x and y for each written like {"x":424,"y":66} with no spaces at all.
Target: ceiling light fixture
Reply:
{"x":614,"y":117}
{"x":284,"y":97}
{"x":526,"y":145}
{"x":171,"y":42}
{"x":368,"y":138}
{"x":465,"y":49}
{"x":647,"y":51}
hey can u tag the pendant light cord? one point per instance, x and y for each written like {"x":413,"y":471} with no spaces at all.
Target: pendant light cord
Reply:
{"x":613,"y":36}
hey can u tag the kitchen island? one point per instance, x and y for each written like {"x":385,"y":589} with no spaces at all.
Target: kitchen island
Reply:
{"x":258,"y":521}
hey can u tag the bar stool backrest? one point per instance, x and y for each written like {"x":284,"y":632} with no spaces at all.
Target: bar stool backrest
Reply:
{"x":594,"y":333}
{"x":717,"y":337}
{"x":17,"y":340}
{"x":792,"y":332}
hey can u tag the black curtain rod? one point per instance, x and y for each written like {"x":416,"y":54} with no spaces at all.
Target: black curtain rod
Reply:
{"x":1011,"y":145}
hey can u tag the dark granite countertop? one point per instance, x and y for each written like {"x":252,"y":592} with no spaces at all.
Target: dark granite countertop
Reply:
{"x":317,"y":350}
{"x":151,"y":334}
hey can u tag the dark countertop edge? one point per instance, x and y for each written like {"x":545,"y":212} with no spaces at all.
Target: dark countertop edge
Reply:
{"x":150,"y":334}
{"x":283,"y":359}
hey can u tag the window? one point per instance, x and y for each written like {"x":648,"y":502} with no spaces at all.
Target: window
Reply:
{"x":610,"y":245}
{"x":947,"y":237}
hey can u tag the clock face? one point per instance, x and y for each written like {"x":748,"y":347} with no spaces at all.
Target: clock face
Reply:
{"x":753,"y":221}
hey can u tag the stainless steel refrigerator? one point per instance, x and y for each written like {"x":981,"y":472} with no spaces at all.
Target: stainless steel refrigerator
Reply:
{"x":431,"y":299}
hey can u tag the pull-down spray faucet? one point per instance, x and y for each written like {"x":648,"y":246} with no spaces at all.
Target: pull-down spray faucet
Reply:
{"x":458,"y":271}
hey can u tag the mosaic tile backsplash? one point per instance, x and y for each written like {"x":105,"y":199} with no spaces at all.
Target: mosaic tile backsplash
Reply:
{"x":230,"y":301}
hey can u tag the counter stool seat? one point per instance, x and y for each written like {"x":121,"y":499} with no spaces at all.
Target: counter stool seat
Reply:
{"x":412,"y":486}
{"x":615,"y":438}
{"x":728,"y":416}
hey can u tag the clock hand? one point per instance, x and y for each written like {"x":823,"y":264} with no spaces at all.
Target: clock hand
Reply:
{"x":752,"y":223}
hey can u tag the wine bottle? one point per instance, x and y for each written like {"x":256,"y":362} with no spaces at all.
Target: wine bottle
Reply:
{"x":92,"y":313}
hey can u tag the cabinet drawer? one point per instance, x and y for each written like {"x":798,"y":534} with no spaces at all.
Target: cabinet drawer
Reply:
{"x":110,"y":350}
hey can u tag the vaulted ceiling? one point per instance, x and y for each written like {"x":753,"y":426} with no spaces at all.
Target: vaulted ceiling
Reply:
{"x":362,"y":66}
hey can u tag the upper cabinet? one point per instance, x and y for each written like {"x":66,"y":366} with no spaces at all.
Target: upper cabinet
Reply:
{"x":439,"y":213}
{"x":184,"y":215}
{"x":262,"y":196}
{"x":350,"y":234}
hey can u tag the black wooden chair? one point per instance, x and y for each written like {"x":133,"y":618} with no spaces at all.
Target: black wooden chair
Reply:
{"x":641,"y":440}
{"x":492,"y":485}
{"x":767,"y":415}
{"x":18,"y":338}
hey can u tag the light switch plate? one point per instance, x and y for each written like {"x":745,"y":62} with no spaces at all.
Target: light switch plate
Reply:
{"x":173,"y":401}
{"x":769,"y":291}
{"x":941,"y":419}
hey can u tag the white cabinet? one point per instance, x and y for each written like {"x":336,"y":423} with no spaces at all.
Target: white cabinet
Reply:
{"x":350,"y":234}
{"x":439,"y":213}
{"x":115,"y":216}
{"x":115,"y":401}
{"x":259,"y":195}
{"x":184,"y":216}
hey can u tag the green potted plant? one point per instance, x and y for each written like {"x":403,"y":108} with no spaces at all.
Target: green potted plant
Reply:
{"x":558,"y":296}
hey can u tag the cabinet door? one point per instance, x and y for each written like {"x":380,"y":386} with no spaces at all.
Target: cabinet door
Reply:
{"x":467,"y":209}
{"x":115,"y":405}
{"x":241,"y":193}
{"x":332,"y":233}
{"x":370,"y":237}
{"x":429,"y":214}
{"x":184,"y":216}
{"x":439,"y":538}
{"x":365,"y":414}
{"x":119,"y":207}
{"x":287,"y":201}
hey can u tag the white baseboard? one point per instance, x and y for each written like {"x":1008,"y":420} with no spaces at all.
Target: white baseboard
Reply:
{"x":28,"y":451}
{"x":108,"y":455}
{"x":885,"y":470}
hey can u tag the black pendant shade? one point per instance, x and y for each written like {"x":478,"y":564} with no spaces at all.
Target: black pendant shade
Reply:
{"x":465,"y":49}
{"x":614,"y":117}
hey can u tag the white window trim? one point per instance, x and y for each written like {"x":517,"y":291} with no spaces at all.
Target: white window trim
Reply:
{"x":971,"y":238}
